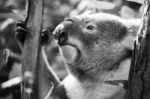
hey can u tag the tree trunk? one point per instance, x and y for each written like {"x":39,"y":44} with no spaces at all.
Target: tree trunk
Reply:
{"x":31,"y":50}
{"x":139,"y":77}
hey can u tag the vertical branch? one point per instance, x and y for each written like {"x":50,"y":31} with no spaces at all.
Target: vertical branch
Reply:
{"x":31,"y":50}
{"x":139,"y":77}
{"x":4,"y":54}
{"x":47,"y":78}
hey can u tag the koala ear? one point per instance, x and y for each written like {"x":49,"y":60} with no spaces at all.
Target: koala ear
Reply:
{"x":133,"y":26}
{"x":132,"y":32}
{"x":128,"y":42}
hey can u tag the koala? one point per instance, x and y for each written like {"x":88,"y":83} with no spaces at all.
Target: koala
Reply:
{"x":97,"y":50}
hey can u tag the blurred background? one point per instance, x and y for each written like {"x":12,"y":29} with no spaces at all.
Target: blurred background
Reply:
{"x":13,"y":11}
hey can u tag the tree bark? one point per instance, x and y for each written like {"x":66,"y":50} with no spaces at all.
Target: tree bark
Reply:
{"x":139,"y":77}
{"x":32,"y":50}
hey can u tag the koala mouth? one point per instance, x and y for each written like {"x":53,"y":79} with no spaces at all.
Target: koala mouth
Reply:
{"x":69,"y":50}
{"x":62,"y":39}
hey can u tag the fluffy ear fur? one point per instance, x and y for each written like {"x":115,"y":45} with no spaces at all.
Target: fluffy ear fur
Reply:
{"x":132,"y":29}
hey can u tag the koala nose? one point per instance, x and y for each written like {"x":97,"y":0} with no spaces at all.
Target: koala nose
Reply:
{"x":61,"y":31}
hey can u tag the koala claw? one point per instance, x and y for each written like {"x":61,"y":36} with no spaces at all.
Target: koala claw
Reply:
{"x":45,"y":36}
{"x":22,"y":32}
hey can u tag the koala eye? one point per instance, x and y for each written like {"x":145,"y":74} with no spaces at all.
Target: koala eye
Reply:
{"x":90,"y":27}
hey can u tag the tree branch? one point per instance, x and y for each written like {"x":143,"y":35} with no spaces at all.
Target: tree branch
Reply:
{"x":139,"y":82}
{"x":31,"y":50}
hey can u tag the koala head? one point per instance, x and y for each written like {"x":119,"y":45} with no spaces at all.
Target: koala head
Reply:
{"x":95,"y":43}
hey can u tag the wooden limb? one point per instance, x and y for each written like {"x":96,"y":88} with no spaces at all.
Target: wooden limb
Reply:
{"x":4,"y":54}
{"x":139,"y":82}
{"x":31,"y":50}
{"x":51,"y":74}
{"x":48,"y":78}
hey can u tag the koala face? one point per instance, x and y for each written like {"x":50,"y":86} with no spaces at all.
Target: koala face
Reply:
{"x":94,"y":43}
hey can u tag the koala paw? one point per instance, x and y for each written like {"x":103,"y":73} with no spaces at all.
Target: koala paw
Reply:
{"x":45,"y":36}
{"x":22,"y":33}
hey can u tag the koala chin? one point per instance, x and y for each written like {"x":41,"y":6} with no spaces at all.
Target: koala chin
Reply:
{"x":97,"y":49}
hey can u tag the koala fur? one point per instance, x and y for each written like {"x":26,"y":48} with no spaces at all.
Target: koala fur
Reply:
{"x":96,"y":48}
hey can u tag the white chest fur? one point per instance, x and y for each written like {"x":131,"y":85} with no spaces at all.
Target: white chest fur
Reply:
{"x":99,"y":90}
{"x":75,"y":90}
